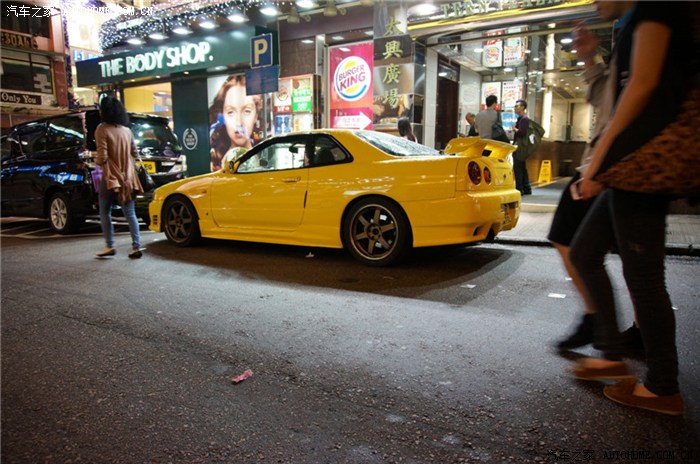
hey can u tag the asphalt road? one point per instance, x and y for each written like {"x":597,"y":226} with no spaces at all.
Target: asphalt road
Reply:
{"x":446,"y":358}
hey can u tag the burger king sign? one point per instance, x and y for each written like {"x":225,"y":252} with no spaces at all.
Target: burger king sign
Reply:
{"x":352,"y":79}
{"x":351,"y":88}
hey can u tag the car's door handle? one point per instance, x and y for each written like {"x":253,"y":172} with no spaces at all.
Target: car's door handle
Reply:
{"x":291,"y":180}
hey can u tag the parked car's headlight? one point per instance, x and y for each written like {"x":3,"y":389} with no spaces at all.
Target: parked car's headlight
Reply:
{"x":180,"y":166}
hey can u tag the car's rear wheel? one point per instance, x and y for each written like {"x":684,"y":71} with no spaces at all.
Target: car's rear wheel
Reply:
{"x":62,"y":218}
{"x":180,"y":222}
{"x":376,"y":232}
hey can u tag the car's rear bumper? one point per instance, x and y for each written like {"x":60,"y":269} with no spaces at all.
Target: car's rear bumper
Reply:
{"x":469,"y":217}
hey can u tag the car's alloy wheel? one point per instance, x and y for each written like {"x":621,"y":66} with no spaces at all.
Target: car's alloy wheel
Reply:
{"x":180,"y":222}
{"x":377,"y":232}
{"x":62,"y":219}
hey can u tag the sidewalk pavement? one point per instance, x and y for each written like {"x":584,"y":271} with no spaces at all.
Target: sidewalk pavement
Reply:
{"x":537,"y":211}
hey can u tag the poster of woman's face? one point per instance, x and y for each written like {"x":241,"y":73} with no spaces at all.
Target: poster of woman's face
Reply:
{"x":235,"y":118}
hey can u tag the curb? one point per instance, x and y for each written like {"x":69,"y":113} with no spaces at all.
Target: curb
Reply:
{"x":672,"y":249}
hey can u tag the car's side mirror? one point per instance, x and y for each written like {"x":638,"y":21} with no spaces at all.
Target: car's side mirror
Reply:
{"x":231,"y":160}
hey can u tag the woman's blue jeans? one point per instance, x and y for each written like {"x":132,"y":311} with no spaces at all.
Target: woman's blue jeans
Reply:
{"x":107,"y":199}
{"x":636,"y":224}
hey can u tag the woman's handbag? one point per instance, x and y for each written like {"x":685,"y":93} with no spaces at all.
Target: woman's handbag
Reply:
{"x":669,"y":163}
{"x":96,"y":178}
{"x":147,"y":183}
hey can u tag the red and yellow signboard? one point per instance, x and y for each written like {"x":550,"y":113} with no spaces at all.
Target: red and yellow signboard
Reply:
{"x":351,"y":87}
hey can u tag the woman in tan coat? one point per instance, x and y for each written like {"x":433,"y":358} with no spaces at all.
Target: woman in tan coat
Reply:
{"x":116,"y":153}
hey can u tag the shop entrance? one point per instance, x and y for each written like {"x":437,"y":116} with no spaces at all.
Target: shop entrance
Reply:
{"x":150,"y":99}
{"x":447,"y":112}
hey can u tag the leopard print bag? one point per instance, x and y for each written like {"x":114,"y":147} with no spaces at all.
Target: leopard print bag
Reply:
{"x":668,"y":164}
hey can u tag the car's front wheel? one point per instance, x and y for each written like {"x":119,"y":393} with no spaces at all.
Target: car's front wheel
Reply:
{"x":180,"y":222}
{"x":62,"y":218}
{"x":376,"y":232}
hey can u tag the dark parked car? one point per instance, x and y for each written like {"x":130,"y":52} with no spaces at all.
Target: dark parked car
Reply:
{"x":47,"y":166}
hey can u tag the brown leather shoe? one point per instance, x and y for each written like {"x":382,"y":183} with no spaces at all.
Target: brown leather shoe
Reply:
{"x":623,"y":392}
{"x":615,"y":370}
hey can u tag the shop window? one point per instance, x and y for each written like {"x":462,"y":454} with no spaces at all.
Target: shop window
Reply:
{"x":25,"y":18}
{"x":26,"y":72}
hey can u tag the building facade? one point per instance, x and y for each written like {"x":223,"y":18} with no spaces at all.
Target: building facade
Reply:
{"x":349,"y":64}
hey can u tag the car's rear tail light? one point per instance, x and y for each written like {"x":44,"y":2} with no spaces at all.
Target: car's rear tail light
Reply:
{"x":487,"y":175}
{"x":474,"y":173}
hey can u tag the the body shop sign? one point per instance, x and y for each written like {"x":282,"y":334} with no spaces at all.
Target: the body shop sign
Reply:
{"x":201,"y":53}
{"x":351,"y":86}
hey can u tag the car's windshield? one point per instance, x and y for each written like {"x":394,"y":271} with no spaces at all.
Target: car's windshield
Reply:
{"x":397,"y":146}
{"x":152,"y":133}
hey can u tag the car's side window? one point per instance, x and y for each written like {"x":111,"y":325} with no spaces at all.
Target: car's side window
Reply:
{"x":32,"y":138}
{"x":282,"y":155}
{"x":326,"y":151}
{"x":6,"y":148}
{"x":64,"y":132}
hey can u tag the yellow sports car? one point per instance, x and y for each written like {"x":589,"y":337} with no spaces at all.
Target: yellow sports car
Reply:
{"x":375,"y":194}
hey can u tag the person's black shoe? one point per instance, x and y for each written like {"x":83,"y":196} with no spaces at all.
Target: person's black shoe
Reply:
{"x":632,"y":339}
{"x":582,"y":336}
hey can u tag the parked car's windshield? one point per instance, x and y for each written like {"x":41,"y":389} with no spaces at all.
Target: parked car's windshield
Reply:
{"x":397,"y":146}
{"x":151,"y":133}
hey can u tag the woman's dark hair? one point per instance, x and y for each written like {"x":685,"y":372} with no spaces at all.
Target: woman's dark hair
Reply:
{"x":405,"y":129}
{"x":112,"y":111}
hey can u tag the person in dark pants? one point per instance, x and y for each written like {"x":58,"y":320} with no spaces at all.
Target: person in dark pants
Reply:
{"x":570,"y":213}
{"x":652,"y":75}
{"x":522,"y":178}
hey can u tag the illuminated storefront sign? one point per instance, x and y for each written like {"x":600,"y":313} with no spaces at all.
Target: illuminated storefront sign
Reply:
{"x":351,"y":86}
{"x":302,"y":93}
{"x":473,"y":7}
{"x":200,"y":53}
{"x":393,"y":72}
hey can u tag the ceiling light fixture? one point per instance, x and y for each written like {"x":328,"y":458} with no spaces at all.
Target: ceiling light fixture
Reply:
{"x":306,"y":4}
{"x":332,"y":10}
{"x":294,"y":17}
{"x":158,"y":32}
{"x":237,"y":16}
{"x":182,"y":29}
{"x":205,"y":22}
{"x":269,"y":9}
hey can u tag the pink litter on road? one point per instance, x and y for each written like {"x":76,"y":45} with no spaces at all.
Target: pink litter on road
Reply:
{"x":242,"y":377}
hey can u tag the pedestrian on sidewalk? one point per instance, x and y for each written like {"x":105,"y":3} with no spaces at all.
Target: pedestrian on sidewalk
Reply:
{"x":116,"y":155}
{"x":601,"y":94}
{"x":522,"y":178}
{"x":652,"y":71}
{"x":486,"y":118}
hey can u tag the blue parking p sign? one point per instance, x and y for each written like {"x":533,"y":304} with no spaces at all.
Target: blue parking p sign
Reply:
{"x":261,"y":51}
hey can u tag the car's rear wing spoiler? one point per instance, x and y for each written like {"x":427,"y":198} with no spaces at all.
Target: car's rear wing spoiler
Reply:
{"x":473,"y":147}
